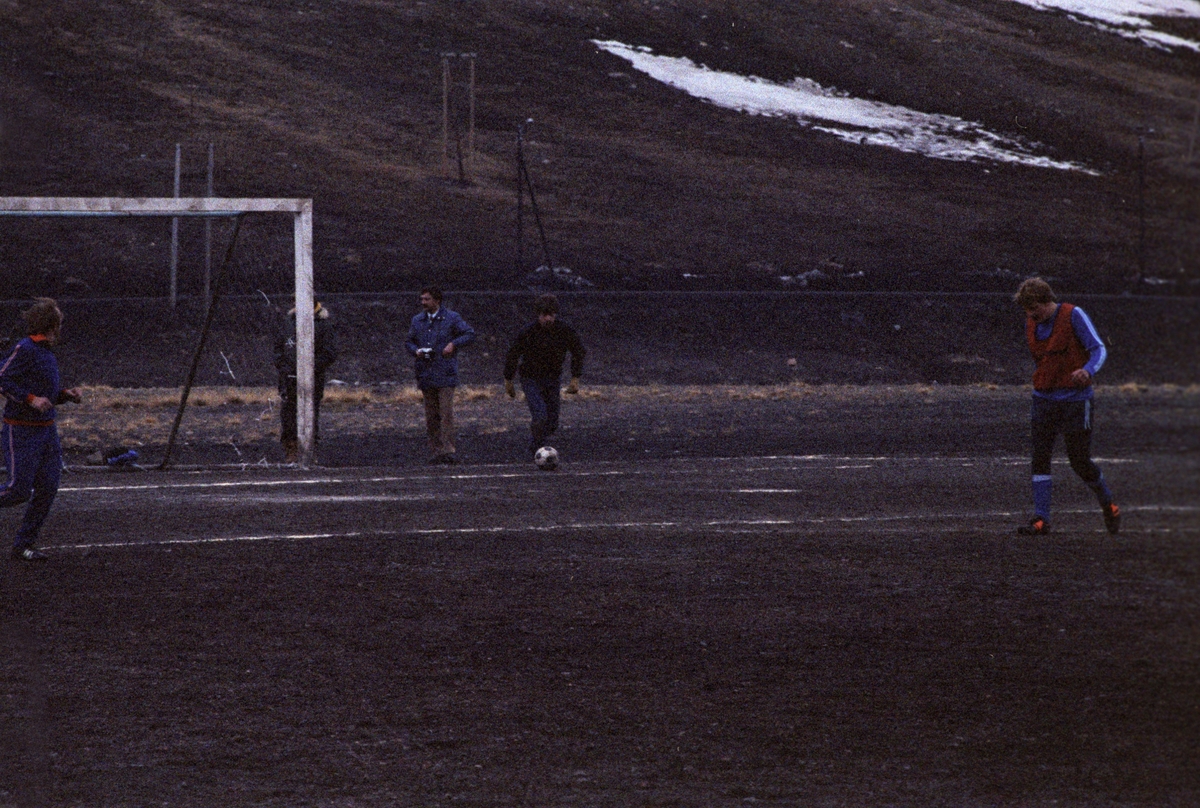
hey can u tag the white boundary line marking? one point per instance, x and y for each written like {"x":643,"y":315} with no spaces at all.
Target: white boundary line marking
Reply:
{"x":217,"y":540}
{"x":720,"y":526}
{"x":698,"y":464}
{"x":317,"y":499}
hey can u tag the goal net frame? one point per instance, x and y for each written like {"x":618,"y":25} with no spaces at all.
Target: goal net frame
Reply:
{"x":301,"y":211}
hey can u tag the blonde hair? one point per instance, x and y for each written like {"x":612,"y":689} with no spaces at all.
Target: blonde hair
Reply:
{"x":1033,"y":292}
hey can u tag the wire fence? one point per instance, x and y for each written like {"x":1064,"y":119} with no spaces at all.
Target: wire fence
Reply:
{"x":635,"y":338}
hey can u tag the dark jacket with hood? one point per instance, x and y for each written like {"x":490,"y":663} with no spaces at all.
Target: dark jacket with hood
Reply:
{"x":324,"y":347}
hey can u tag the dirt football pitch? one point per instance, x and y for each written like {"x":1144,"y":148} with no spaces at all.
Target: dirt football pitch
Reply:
{"x":719,"y":599}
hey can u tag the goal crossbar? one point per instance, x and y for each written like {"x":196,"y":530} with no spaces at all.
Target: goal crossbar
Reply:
{"x":301,"y":211}
{"x":146,"y":206}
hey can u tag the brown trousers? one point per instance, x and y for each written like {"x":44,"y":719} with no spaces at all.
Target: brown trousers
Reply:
{"x":439,"y":419}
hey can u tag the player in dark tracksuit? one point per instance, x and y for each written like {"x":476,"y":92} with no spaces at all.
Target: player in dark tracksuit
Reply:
{"x":324,"y":352}
{"x":539,"y":351}
{"x":29,"y":381}
{"x":1068,"y":352}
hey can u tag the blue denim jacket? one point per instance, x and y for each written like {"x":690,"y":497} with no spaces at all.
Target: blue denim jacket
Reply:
{"x":436,"y":332}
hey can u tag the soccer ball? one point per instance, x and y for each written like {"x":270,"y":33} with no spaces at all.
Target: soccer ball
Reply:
{"x":546,"y":458}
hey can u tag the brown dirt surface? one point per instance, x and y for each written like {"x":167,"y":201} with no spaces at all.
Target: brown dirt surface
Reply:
{"x":799,"y":595}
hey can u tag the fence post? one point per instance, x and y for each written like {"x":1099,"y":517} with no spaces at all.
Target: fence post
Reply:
{"x":446,"y":113}
{"x":208,"y":235}
{"x":447,"y":89}
{"x":471,"y":124}
{"x":1141,"y":208}
{"x":175,"y":236}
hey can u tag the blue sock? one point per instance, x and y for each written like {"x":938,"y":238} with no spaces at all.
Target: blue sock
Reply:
{"x":1100,"y":489}
{"x":1041,"y":496}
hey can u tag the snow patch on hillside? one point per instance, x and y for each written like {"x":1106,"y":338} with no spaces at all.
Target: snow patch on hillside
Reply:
{"x":855,"y":120}
{"x":1127,"y":18}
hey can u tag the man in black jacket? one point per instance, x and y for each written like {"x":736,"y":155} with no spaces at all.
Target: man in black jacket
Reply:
{"x":539,"y":351}
{"x":324,"y":352}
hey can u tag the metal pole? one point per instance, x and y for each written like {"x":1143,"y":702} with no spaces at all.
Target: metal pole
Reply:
{"x":520,"y":202}
{"x":208,"y":235}
{"x":1141,"y":208}
{"x":471,"y":124}
{"x":305,"y":334}
{"x":537,"y":217}
{"x":175,"y":236}
{"x":446,"y":114}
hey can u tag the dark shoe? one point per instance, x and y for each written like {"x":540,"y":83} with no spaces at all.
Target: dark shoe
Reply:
{"x":1112,"y":518}
{"x":449,"y":459}
{"x":29,"y":554}
{"x":1037,"y":527}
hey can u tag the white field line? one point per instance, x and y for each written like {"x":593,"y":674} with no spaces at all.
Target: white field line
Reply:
{"x":275,"y":483}
{"x":858,"y":463}
{"x":318,"y":499}
{"x":716,"y":526}
{"x":213,"y":540}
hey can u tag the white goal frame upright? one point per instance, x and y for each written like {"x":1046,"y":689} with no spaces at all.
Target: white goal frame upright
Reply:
{"x":212,"y":207}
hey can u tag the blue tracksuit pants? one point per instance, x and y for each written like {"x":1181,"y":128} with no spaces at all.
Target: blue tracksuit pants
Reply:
{"x":33,"y":459}
{"x":544,"y":399}
{"x":1074,"y":420}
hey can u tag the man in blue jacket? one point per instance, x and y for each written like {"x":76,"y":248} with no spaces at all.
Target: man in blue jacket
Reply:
{"x":433,"y":340}
{"x":29,"y":381}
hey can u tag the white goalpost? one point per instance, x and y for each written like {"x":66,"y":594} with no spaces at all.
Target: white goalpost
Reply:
{"x":302,"y":213}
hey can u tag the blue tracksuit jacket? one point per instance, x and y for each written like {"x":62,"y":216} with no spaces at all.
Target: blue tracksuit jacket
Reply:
{"x":28,"y":438}
{"x":31,"y":369}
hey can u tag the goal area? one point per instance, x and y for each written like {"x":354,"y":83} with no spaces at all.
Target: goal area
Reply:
{"x":301,"y":211}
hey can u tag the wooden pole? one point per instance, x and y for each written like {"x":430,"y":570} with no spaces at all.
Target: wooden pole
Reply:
{"x":175,"y":235}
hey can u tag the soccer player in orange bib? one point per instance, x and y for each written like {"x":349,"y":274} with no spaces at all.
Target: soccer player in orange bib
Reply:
{"x":1068,"y":352}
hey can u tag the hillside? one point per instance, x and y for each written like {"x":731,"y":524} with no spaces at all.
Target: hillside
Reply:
{"x":639,"y":185}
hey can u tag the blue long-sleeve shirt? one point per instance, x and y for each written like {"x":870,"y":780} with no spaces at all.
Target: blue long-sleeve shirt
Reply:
{"x":1086,"y":333}
{"x":29,"y":370}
